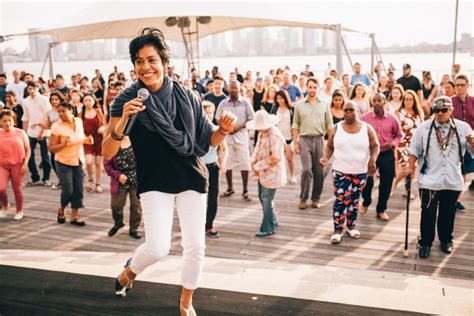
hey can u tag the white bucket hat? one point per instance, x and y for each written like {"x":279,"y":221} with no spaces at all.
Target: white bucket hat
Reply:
{"x":262,"y":121}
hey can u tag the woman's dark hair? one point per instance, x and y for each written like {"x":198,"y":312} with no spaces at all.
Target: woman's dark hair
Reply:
{"x":95,"y":106}
{"x":337,"y":93}
{"x":57,"y":94}
{"x":66,"y":105}
{"x":154,"y":37}
{"x":283,"y":94}
{"x":353,"y":93}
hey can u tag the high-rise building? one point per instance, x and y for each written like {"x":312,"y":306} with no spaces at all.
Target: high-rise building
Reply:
{"x":121,"y":46}
{"x":310,"y":41}
{"x":98,"y":49}
{"x":39,"y":45}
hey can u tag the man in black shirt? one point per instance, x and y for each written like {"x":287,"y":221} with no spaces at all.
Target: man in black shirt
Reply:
{"x":410,"y":82}
{"x":217,"y":95}
{"x":258,"y":93}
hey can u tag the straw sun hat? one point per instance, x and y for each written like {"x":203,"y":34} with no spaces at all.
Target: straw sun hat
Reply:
{"x":262,"y":121}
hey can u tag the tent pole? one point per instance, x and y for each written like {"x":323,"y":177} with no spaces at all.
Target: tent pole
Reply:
{"x":50,"y":53}
{"x":372,"y":53}
{"x":347,"y":53}
{"x":455,"y":36}
{"x":1,"y":59}
{"x":339,"y":65}
{"x":44,"y":63}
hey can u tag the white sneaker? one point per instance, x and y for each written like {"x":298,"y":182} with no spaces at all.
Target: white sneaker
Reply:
{"x":293,"y":180}
{"x":3,"y":214}
{"x":18,"y":216}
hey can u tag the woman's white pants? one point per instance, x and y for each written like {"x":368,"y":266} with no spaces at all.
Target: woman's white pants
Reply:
{"x":158,"y":209}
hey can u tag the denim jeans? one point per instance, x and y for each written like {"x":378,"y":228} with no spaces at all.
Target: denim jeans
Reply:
{"x":46,"y":165}
{"x":267,"y":198}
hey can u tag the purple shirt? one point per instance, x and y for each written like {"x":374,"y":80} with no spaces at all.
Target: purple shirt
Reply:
{"x":387,"y":128}
{"x":464,"y":111}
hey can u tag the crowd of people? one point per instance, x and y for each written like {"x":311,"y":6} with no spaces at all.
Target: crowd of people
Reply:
{"x":307,"y":109}
{"x":354,"y":126}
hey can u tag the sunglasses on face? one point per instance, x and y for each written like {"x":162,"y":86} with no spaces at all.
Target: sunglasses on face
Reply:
{"x":348,"y":110}
{"x":443,"y":110}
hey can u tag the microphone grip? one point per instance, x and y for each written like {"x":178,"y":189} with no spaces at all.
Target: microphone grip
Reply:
{"x":128,"y":126}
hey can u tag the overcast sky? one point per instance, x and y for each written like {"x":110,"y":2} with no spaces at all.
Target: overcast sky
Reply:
{"x":401,"y":22}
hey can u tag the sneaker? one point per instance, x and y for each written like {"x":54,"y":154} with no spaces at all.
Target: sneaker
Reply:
{"x":3,"y":214}
{"x":471,"y":186}
{"x":47,"y":183}
{"x":212,"y":233}
{"x":18,"y":216}
{"x":56,"y":186}
{"x":363,"y":209}
{"x":293,"y":180}
{"x":32,"y":183}
{"x":460,"y":207}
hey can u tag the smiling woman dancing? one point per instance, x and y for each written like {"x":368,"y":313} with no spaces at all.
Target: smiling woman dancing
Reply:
{"x":169,"y":136}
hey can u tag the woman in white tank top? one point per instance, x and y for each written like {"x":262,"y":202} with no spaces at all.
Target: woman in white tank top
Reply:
{"x":354,"y":147}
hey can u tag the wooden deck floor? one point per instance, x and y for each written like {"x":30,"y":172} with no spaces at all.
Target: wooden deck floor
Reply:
{"x":302,"y":236}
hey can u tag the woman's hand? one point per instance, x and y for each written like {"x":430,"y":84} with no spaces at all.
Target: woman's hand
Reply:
{"x":132,"y":107}
{"x":89,"y":140}
{"x":371,"y":167}
{"x":24,"y":168}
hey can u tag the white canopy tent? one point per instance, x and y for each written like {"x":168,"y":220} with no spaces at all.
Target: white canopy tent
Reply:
{"x":187,"y":29}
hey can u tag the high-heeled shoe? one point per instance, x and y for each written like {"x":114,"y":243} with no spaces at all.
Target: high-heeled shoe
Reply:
{"x":188,"y":311}
{"x":121,"y":290}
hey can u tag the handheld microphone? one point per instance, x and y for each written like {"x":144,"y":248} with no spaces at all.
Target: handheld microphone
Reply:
{"x":143,"y":94}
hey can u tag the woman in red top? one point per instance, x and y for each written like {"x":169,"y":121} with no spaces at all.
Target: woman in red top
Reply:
{"x":14,"y":155}
{"x":93,"y":123}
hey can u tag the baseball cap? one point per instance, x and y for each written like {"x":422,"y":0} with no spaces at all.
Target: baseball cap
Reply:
{"x":442,"y":101}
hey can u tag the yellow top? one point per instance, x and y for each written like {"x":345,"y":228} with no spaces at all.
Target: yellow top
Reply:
{"x":73,"y":153}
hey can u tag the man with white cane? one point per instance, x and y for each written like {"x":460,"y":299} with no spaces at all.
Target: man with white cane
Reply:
{"x":439,"y":144}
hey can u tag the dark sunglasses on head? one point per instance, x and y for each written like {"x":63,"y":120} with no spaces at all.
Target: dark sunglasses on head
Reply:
{"x":348,"y":110}
{"x":443,"y":110}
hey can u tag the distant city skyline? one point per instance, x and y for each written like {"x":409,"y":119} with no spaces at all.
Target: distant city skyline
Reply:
{"x":400,"y":22}
{"x":244,"y":42}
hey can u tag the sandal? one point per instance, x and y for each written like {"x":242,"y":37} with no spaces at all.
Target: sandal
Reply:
{"x":228,"y":193}
{"x":61,"y":217}
{"x":89,"y":184}
{"x":336,"y":238}
{"x":246,"y":196}
{"x":98,"y":188}
{"x":77,"y":222}
{"x":354,"y":233}
{"x":187,"y":311}
{"x":121,"y":290}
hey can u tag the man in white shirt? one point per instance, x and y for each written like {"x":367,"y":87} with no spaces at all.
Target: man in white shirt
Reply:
{"x":17,"y":87}
{"x":35,"y":123}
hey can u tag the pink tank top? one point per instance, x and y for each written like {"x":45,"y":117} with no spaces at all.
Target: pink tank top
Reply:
{"x":12,"y":149}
